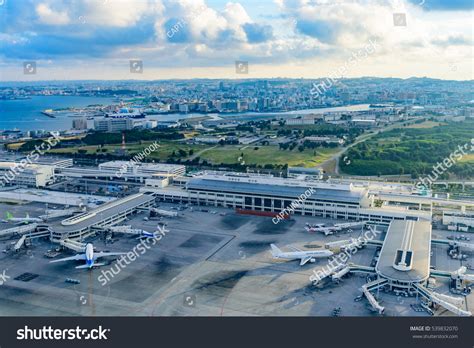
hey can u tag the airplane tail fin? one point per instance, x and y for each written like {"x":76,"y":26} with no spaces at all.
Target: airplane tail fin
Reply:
{"x":275,"y":250}
{"x":9,"y":215}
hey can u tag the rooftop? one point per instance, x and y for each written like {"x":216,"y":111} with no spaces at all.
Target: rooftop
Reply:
{"x":405,"y":255}
{"x":103,"y":212}
{"x":340,"y":195}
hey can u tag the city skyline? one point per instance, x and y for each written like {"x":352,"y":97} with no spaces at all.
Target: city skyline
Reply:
{"x":98,"y":39}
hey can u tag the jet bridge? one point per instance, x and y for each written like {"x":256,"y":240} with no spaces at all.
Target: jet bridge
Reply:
{"x":450,"y":303}
{"x":20,"y":243}
{"x":367,"y":288}
{"x":73,"y":245}
{"x":19,"y":230}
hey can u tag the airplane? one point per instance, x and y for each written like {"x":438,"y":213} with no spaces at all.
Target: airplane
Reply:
{"x":303,"y":256}
{"x":315,"y":225}
{"x":57,"y":213}
{"x":326,"y":230}
{"x":165,"y":213}
{"x":25,"y":220}
{"x":89,"y":256}
{"x":135,"y":231}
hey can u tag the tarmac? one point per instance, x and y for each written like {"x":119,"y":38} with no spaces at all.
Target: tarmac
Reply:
{"x":211,"y":262}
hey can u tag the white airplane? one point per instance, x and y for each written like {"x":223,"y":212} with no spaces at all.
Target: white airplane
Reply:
{"x":303,"y":256}
{"x":89,"y":256}
{"x":166,"y":213}
{"x":25,"y":220}
{"x":54,"y":214}
{"x":136,"y":231}
{"x":315,"y":225}
{"x":326,"y":230}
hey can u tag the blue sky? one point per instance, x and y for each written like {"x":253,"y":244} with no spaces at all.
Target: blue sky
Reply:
{"x":95,"y":39}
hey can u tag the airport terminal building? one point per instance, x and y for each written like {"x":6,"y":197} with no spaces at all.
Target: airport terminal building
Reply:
{"x":263,"y":193}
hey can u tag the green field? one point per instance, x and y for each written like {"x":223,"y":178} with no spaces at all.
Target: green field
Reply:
{"x":216,"y":155}
{"x":426,"y":124}
{"x":413,"y":151}
{"x":165,"y":150}
{"x":267,"y":155}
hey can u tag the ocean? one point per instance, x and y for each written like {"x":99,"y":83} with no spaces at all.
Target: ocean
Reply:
{"x":25,"y":114}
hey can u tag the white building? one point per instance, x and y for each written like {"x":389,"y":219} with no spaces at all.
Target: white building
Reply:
{"x":113,"y":124}
{"x":32,"y":175}
{"x":149,"y":169}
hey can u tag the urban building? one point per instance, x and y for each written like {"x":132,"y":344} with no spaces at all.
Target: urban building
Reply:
{"x":31,"y":175}
{"x":113,"y":124}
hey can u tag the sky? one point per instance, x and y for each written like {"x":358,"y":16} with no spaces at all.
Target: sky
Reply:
{"x":181,"y":39}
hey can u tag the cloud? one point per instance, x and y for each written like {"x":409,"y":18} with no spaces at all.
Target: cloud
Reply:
{"x":47,"y":15}
{"x":190,"y":33}
{"x":458,"y":40}
{"x":257,"y":33}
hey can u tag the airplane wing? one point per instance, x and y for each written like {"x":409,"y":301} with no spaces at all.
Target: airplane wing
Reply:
{"x":304,"y":260}
{"x":102,"y":254}
{"x":294,"y":248}
{"x":72,"y":258}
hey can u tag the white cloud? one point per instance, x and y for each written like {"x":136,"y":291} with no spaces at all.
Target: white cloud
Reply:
{"x":120,"y":13}
{"x":47,"y":15}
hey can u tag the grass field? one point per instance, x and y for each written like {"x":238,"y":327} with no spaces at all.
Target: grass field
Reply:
{"x":228,"y":154}
{"x":413,"y":150}
{"x":267,"y":155}
{"x":426,"y":124}
{"x":162,"y":154}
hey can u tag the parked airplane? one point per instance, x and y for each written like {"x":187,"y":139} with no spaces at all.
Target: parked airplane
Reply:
{"x":303,"y":256}
{"x":25,"y":220}
{"x":89,"y":256}
{"x":166,"y":213}
{"x":135,"y":231}
{"x":326,"y":230}
{"x":57,"y":213}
